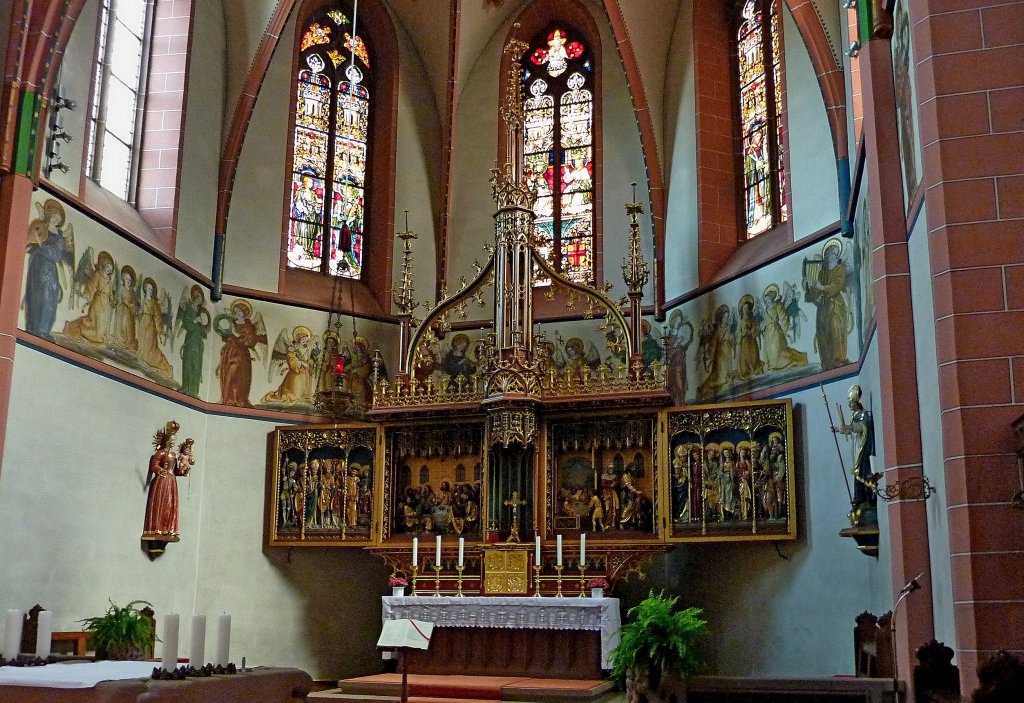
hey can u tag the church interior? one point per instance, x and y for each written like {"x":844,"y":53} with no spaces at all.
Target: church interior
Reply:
{"x":717,"y":298}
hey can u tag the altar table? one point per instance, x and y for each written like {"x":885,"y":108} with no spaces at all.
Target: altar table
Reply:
{"x":88,"y":682}
{"x":557,"y":637}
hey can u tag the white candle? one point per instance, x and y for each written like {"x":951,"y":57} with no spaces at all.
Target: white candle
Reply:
{"x":437,"y":558}
{"x":197,"y":648}
{"x":170,"y":638}
{"x":223,"y":639}
{"x":558,"y":550}
{"x":415,"y":551}
{"x":44,"y":634}
{"x":536,"y":550}
{"x":583,"y":550}
{"x":871,"y":462}
{"x":462,"y":550}
{"x":12,"y":633}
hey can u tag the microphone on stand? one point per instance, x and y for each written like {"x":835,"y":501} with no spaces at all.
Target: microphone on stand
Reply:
{"x":912,"y":585}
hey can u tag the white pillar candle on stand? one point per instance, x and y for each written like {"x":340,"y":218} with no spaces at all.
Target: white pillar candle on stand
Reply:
{"x":558,"y":550}
{"x":12,"y":633}
{"x":462,"y":549}
{"x":536,"y":550}
{"x":415,"y":551}
{"x":170,"y":638}
{"x":197,"y":650}
{"x":437,"y":558}
{"x":583,"y":550}
{"x":44,"y":634}
{"x":223,"y":639}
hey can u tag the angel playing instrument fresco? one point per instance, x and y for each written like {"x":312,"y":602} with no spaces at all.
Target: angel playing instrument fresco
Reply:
{"x":51,"y":262}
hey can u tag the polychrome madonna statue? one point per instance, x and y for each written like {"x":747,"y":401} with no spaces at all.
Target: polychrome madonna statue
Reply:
{"x":165,"y":465}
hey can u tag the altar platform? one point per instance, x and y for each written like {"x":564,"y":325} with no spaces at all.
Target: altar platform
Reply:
{"x":466,"y":689}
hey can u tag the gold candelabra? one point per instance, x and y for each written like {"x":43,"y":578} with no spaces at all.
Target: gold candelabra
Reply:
{"x":414,"y":570}
{"x":558,"y":570}
{"x":583,"y":580}
{"x":536,"y":580}
{"x":460,"y":568}
{"x":437,"y":579}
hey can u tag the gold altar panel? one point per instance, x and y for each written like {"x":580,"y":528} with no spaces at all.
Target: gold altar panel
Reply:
{"x":506,"y":571}
{"x":434,"y":480}
{"x":322,"y":483}
{"x":601,"y":477}
{"x":729,"y":470}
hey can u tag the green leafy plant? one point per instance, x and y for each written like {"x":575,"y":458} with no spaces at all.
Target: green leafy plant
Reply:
{"x":662,"y":641}
{"x":122,"y":633}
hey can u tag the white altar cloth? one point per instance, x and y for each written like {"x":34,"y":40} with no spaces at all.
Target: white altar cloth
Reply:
{"x":546,"y":613}
{"x":74,"y":674}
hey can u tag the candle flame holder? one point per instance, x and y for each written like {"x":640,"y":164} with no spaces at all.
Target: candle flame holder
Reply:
{"x":558,"y":570}
{"x":536,"y":580}
{"x":460,"y":568}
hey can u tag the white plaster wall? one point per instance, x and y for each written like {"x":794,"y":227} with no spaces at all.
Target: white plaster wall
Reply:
{"x":681,"y":147}
{"x":815,"y":185}
{"x":72,"y":490}
{"x":419,"y":168}
{"x":201,"y":148}
{"x":255,"y":221}
{"x":931,"y":430}
{"x":75,"y":75}
{"x":72,"y":496}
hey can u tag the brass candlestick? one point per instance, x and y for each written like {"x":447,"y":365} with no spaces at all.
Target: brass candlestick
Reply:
{"x":536,"y":581}
{"x":583,"y":581}
{"x":414,"y":580}
{"x":437,"y":580}
{"x":558,"y":570}
{"x":460,"y":568}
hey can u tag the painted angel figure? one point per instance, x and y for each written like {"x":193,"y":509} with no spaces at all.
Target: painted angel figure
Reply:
{"x":51,"y":263}
{"x":294,"y":356}
{"x":244,"y":337}
{"x":680,"y":337}
{"x":154,"y":327}
{"x":124,"y":321}
{"x":192,"y":319}
{"x":776,"y":327}
{"x":748,"y":339}
{"x":95,"y":283}
{"x":717,"y":351}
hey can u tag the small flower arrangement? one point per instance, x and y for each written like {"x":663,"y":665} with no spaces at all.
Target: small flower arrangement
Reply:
{"x":396,"y":581}
{"x":599,"y":582}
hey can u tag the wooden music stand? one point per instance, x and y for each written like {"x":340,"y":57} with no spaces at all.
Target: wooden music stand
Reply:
{"x":401,"y":635}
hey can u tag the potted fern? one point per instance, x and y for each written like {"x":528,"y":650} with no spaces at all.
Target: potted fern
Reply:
{"x":123,"y":632}
{"x":657,"y":650}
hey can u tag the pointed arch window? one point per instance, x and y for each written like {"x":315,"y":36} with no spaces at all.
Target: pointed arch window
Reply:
{"x":762,"y":134}
{"x":334,"y":87}
{"x":558,"y":131}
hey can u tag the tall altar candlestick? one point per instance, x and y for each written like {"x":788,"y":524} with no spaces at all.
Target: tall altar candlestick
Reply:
{"x":197,"y":650}
{"x":170,"y":638}
{"x":536,"y":550}
{"x":462,"y":549}
{"x":12,"y":633}
{"x":415,"y":551}
{"x":223,"y":639}
{"x":558,"y":550}
{"x":583,"y":550}
{"x":44,"y":634}
{"x":437,"y":559}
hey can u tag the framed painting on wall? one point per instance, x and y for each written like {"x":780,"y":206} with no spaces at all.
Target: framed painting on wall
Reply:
{"x":730,"y":472}
{"x":322,"y":486}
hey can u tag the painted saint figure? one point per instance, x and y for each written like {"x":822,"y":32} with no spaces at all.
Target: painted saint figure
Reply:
{"x":297,"y":360}
{"x":51,"y":253}
{"x":243,"y":333}
{"x":194,"y":320}
{"x":126,"y":308}
{"x":97,"y":285}
{"x":749,"y":362}
{"x":153,"y":328}
{"x":165,"y":465}
{"x":826,"y":291}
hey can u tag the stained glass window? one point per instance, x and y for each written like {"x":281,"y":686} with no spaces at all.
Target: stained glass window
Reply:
{"x":759,"y":56}
{"x":330,"y":147}
{"x":558,"y":134}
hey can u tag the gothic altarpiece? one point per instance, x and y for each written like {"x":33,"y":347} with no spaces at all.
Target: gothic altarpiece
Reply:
{"x":502,"y":439}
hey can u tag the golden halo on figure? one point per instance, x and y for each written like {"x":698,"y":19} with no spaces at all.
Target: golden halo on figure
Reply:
{"x":726,"y":445}
{"x":131,"y":272}
{"x":460,"y":340}
{"x":832,"y":244}
{"x":241,"y":306}
{"x":712,"y":445}
{"x":771,"y":288}
{"x":744,"y":444}
{"x":299,"y":332}
{"x":197,"y":290}
{"x":104,"y":259}
{"x":775,"y":435}
{"x":360,"y":342}
{"x":148,"y":281}
{"x":748,"y":298}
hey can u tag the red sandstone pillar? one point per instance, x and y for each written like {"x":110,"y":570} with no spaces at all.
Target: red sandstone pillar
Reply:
{"x":970,"y":88}
{"x":900,"y":409}
{"x":15,"y":206}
